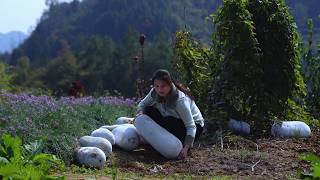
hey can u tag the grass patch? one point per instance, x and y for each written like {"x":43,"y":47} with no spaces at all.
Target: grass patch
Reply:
{"x":59,"y":123}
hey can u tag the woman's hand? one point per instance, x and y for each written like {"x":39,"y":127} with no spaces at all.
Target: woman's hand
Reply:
{"x":184,"y":152}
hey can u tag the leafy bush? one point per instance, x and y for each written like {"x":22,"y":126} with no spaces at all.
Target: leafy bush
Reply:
{"x":252,"y":71}
{"x":315,"y":167}
{"x":5,"y":77}
{"x":191,"y":62}
{"x":311,"y":72}
{"x":237,"y":75}
{"x":25,"y":162}
{"x":258,"y":61}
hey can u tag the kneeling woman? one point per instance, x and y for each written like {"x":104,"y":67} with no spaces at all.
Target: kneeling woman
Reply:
{"x":172,"y":107}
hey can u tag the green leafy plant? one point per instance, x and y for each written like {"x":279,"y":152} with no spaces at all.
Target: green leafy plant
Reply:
{"x":258,"y":61}
{"x":114,"y":171}
{"x":25,"y":162}
{"x":5,"y":77}
{"x":191,"y":62}
{"x":315,"y":167}
{"x":311,"y":72}
{"x":237,"y":76}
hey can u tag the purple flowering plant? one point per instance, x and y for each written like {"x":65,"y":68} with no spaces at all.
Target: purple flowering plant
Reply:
{"x":59,"y":122}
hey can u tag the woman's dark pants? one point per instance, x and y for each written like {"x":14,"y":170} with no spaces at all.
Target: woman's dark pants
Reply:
{"x":174,"y":125}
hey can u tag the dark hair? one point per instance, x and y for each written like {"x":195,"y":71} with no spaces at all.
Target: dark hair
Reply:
{"x":164,"y":75}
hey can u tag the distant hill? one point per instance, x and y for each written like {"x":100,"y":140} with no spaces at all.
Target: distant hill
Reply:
{"x":74,"y":22}
{"x":96,"y":41}
{"x":302,"y":11}
{"x":11,"y":40}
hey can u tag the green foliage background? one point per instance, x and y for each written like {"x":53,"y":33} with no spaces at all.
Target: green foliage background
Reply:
{"x":252,"y":71}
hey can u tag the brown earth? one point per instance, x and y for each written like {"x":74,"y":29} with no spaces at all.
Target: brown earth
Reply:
{"x":240,"y":158}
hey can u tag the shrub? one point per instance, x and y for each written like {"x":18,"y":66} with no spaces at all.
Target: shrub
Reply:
{"x":258,"y":62}
{"x":315,"y":167}
{"x":311,"y":72}
{"x":191,"y":62}
{"x":25,"y":162}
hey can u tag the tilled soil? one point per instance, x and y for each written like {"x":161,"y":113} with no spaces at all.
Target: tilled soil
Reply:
{"x":240,"y":157}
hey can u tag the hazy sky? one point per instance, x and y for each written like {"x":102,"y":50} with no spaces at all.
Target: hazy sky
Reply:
{"x":20,"y":15}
